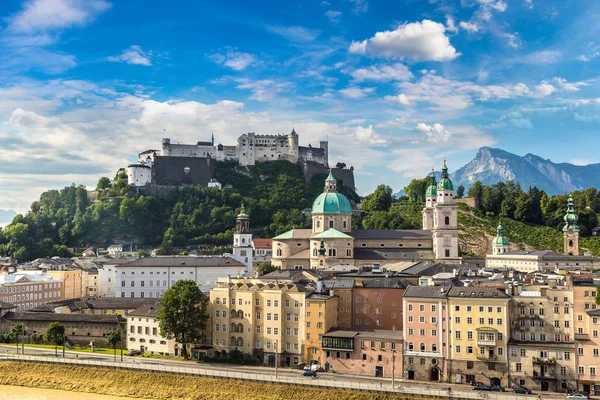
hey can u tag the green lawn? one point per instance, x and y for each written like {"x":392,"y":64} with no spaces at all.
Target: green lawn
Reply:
{"x":97,"y":350}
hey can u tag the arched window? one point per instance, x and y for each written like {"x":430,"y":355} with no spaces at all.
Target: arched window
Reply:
{"x":345,"y":224}
{"x":434,"y":348}
{"x":332,"y":253}
{"x":279,"y":252}
{"x":331,"y":223}
{"x":447,"y":220}
{"x":233,"y":328}
{"x":570,"y":243}
{"x":232,"y":341}
{"x":411,"y":346}
{"x":321,"y":263}
{"x":348,"y":253}
{"x":240,"y":314}
{"x":240,"y":328}
{"x":240,"y":342}
{"x":315,"y":252}
{"x":423,"y":347}
{"x":318,"y":224}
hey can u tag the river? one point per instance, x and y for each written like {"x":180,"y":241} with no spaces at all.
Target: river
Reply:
{"x":27,"y":393}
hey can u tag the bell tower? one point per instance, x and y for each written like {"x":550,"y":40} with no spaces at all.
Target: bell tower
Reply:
{"x":242,"y":240}
{"x":571,"y":230}
{"x":430,"y":200}
{"x":445,"y":220}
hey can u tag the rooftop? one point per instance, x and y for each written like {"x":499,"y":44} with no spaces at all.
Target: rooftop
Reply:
{"x":477,"y":292}
{"x":427,"y":292}
{"x":146,"y":310}
{"x":262,"y":243}
{"x":391,"y":234}
{"x":380,"y":334}
{"x":295,"y":234}
{"x":338,"y":283}
{"x":187,"y":261}
{"x":50,"y":317}
{"x":393,"y":254}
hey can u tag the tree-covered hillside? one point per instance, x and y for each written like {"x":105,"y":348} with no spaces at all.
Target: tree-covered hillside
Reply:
{"x":274,"y":193}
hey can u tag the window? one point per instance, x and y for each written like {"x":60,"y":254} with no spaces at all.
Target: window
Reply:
{"x":567,"y":355}
{"x":457,"y":333}
{"x":433,"y":308}
{"x":410,"y":318}
{"x":519,"y":367}
{"x":581,"y":370}
{"x":592,"y":371}
{"x":457,"y":349}
{"x":469,"y":349}
{"x":456,"y":319}
{"x":580,"y":351}
{"x":469,"y":320}
{"x":410,"y":307}
{"x":422,"y":319}
{"x":421,"y":308}
{"x":469,"y":335}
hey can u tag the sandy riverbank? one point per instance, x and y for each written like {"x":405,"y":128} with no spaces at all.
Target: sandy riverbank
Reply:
{"x":147,"y":385}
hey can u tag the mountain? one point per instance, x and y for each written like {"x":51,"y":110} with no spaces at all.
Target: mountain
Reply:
{"x":6,"y":216}
{"x":494,"y":165}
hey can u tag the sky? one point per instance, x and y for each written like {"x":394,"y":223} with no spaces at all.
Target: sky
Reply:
{"x":395,"y":86}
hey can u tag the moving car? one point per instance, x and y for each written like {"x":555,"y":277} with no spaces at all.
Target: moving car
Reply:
{"x":578,"y":395}
{"x":481,"y":386}
{"x":497,"y":389}
{"x":309,"y":373}
{"x":521,"y":390}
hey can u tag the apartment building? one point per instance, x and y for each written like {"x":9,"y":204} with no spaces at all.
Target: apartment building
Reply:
{"x":321,"y":316}
{"x":265,"y":320}
{"x":478,"y":322}
{"x":378,"y":303}
{"x":542,"y":345}
{"x":342,"y":288}
{"x":29,"y":289}
{"x":143,"y":332}
{"x":151,"y":277}
{"x":74,"y":281}
{"x":364,"y":352}
{"x":425,"y":339}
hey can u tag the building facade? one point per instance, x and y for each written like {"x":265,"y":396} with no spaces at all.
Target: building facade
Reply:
{"x":29,"y":289}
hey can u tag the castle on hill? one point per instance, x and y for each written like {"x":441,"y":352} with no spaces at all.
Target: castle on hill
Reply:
{"x":177,"y":164}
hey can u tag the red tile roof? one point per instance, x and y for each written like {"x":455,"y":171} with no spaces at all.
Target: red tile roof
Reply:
{"x":262,"y":243}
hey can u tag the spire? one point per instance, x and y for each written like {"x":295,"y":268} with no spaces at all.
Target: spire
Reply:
{"x":212,"y":138}
{"x":432,"y":188}
{"x":243,"y":215}
{"x":571,"y":218}
{"x":330,"y":182}
{"x":445,"y":170}
{"x":445,"y":182}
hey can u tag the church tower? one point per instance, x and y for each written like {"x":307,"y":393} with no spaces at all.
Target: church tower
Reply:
{"x":242,"y":240}
{"x":430,"y":200}
{"x":571,"y":230}
{"x":445,"y":220}
{"x":500,"y":243}
{"x":331,"y":209}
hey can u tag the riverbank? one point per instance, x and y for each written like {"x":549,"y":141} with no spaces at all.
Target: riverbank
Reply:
{"x":147,"y":385}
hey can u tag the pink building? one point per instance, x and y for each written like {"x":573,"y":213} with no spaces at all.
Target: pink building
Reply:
{"x":378,"y":304}
{"x":425,"y":349}
{"x":373,"y":352}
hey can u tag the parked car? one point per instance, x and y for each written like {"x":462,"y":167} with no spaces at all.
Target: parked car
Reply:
{"x":134,"y":353}
{"x":578,"y":395}
{"x":495,"y":388}
{"x":521,"y":390}
{"x":309,"y":373}
{"x":481,"y":386}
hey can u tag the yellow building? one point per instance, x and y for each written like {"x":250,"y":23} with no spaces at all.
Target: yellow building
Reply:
{"x":74,"y":282}
{"x":478,"y":332}
{"x":265,"y":320}
{"x":321,"y":315}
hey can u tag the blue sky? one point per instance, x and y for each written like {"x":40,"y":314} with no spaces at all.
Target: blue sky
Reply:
{"x":396,"y":86}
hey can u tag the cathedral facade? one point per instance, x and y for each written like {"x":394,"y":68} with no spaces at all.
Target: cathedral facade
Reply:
{"x":332,"y":242}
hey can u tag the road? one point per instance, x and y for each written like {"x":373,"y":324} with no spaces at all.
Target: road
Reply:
{"x":282,"y":372}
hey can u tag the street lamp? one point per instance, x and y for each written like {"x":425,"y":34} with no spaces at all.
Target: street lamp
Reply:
{"x":393,"y":366}
{"x":276,"y":361}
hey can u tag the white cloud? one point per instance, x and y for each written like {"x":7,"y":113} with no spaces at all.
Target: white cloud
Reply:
{"x":41,"y":15}
{"x":354,"y":92}
{"x":360,"y":6}
{"x":434,"y":133}
{"x":296,"y":34}
{"x":450,"y":26}
{"x":334,"y":16}
{"x":401,"y":99}
{"x":541,"y":57}
{"x":368,"y":135}
{"x":233,"y":59}
{"x":568,"y":86}
{"x":134,"y":55}
{"x":382,"y":73}
{"x":470,"y":27}
{"x":542,"y":90}
{"x":512,"y":39}
{"x":264,"y":90}
{"x":582,"y":161}
{"x":529,"y":4}
{"x":419,"y":41}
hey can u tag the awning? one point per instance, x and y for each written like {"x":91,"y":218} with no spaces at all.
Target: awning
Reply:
{"x":486,"y":329}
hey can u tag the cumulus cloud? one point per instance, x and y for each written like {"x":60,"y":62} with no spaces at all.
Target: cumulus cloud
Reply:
{"x":470,"y":27}
{"x":134,"y":55}
{"x":355,"y":92}
{"x":434,"y":133}
{"x":401,"y":99}
{"x":41,"y":15}
{"x":264,"y":90}
{"x":512,"y":39}
{"x":418,"y":41}
{"x":541,"y":57}
{"x":382,"y":73}
{"x":233,"y":59}
{"x":334,"y":16}
{"x":368,"y":135}
{"x":450,"y":26}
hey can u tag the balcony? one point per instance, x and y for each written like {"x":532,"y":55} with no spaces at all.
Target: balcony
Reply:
{"x":544,"y":360}
{"x":486,"y":342}
{"x":486,"y":357}
{"x":549,"y":375}
{"x":582,"y":336}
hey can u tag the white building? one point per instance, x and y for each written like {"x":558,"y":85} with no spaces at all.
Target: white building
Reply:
{"x":115,"y":249}
{"x":151,"y":277}
{"x":215,"y":183}
{"x":539,"y":260}
{"x":263,"y":250}
{"x":143,"y":332}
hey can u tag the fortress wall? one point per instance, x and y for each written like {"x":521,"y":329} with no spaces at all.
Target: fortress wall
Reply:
{"x":182,"y":171}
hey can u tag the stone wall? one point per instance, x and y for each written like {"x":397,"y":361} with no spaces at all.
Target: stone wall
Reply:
{"x":470,"y":201}
{"x":180,"y":171}
{"x":345,"y":176}
{"x":480,"y":371}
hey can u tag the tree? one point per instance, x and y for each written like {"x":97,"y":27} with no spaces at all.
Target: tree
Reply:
{"x":56,"y":334}
{"x":460,"y":192}
{"x":103,"y":183}
{"x":265,"y":268}
{"x":17,"y":331}
{"x":380,"y":200}
{"x":476,"y":190}
{"x":183,"y":313}
{"x":416,"y":189}
{"x":113,"y":339}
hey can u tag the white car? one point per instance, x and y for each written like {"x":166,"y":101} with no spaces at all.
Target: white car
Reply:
{"x":578,"y":395}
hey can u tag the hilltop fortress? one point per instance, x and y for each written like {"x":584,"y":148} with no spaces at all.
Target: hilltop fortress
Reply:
{"x":176,"y":165}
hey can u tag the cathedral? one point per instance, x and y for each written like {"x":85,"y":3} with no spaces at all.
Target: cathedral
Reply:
{"x":331,"y":242}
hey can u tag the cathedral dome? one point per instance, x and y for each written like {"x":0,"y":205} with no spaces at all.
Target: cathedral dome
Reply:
{"x":432,"y":188}
{"x":242,"y":215}
{"x":500,"y":239}
{"x":332,"y":202}
{"x":445,"y":183}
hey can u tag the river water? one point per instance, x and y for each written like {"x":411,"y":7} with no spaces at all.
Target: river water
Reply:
{"x":26,"y":393}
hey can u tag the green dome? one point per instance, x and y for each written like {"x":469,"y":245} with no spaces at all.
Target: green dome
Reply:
{"x":445,"y":183}
{"x":500,"y":239}
{"x":571,"y":218}
{"x":242,"y":215}
{"x":432,"y":188}
{"x":332,"y":202}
